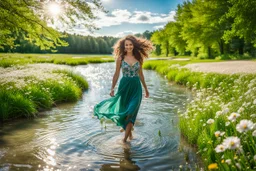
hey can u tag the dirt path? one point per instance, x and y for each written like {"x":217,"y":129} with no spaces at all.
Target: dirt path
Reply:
{"x":229,"y":67}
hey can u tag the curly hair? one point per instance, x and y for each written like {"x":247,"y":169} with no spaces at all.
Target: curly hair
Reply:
{"x":141,"y":47}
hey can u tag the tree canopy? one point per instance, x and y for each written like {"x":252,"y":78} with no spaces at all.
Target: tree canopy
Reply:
{"x":32,"y":20}
{"x":208,"y":28}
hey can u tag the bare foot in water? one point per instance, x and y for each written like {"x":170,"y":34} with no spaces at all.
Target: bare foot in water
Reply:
{"x":130,"y":136}
{"x":126,"y":145}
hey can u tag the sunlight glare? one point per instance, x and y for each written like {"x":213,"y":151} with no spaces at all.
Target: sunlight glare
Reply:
{"x":54,"y":9}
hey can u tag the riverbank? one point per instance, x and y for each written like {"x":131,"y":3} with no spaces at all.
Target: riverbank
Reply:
{"x":12,"y":59}
{"x":221,"y":119}
{"x":27,"y":89}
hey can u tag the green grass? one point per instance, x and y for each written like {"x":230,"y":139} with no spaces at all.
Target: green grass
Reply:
{"x":14,"y":105}
{"x":216,"y":96}
{"x":7,"y":60}
{"x":29,"y":92}
{"x":35,"y":94}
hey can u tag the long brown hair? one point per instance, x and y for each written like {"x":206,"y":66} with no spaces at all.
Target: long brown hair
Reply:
{"x":141,"y":48}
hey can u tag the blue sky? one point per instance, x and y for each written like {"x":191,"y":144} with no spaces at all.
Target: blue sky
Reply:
{"x":132,"y":16}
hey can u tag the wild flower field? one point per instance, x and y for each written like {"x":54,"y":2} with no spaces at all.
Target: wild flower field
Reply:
{"x":27,"y":89}
{"x":221,"y":119}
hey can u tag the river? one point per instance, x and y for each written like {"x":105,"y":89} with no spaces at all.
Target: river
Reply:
{"x":69,"y":137}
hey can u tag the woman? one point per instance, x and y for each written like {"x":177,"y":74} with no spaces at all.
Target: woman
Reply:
{"x":122,"y":108}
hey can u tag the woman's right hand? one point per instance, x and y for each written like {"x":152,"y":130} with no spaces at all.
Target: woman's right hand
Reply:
{"x":146,"y":94}
{"x":112,"y":93}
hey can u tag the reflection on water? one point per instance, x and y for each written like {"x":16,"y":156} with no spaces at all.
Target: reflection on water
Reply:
{"x":125,"y":162}
{"x":68,"y":137}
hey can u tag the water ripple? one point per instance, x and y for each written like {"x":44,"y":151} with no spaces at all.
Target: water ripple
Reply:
{"x":70,"y":138}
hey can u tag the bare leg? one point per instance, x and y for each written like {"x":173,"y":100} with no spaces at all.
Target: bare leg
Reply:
{"x":127,"y":131}
{"x":130,"y":135}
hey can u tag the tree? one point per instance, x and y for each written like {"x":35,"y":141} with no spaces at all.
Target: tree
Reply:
{"x":161,"y":37}
{"x":242,"y":13}
{"x":30,"y":19}
{"x":147,"y":34}
{"x":175,"y":38}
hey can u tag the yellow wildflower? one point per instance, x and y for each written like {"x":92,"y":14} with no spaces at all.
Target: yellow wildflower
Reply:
{"x":213,"y":166}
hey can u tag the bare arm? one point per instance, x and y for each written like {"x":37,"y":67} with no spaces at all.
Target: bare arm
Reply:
{"x":143,"y":82}
{"x":116,"y":75}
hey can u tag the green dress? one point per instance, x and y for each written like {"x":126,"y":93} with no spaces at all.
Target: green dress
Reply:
{"x":124,"y":106}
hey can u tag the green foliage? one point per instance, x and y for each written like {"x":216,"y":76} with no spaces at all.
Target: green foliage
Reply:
{"x":29,"y":19}
{"x":77,"y":45}
{"x":244,"y":24}
{"x":210,"y":28}
{"x":160,"y":37}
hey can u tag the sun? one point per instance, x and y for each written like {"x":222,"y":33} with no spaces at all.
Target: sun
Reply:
{"x":54,"y":9}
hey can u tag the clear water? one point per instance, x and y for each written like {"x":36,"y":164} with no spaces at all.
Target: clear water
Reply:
{"x":68,"y":137}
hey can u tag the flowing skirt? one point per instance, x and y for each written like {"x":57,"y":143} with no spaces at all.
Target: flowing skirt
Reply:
{"x":124,"y":106}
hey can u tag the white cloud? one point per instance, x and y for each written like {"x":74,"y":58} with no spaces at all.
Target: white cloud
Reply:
{"x":125,"y":33}
{"x":158,"y":27}
{"x":121,"y":13}
{"x":119,"y":16}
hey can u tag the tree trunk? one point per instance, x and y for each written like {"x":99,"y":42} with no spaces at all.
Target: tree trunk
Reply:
{"x":209,"y":52}
{"x":167,"y":48}
{"x":241,"y":47}
{"x":221,"y":46}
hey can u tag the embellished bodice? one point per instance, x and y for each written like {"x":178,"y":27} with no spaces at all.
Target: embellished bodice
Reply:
{"x":130,"y":70}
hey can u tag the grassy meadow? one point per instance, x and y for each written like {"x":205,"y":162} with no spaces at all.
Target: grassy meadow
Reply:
{"x":221,"y":119}
{"x":7,"y":59}
{"x":28,"y":86}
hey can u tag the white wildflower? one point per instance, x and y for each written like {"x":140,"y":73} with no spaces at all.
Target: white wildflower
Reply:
{"x":231,"y":142}
{"x":238,"y":166}
{"x":227,"y":123}
{"x":218,"y":113}
{"x":254,"y":102}
{"x":254,"y":133}
{"x":228,"y":161}
{"x":210,"y":121}
{"x":233,"y":116}
{"x":253,"y":115}
{"x":240,"y":110}
{"x":220,"y":148}
{"x":225,"y":111}
{"x":244,"y":126}
{"x":217,"y":133}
